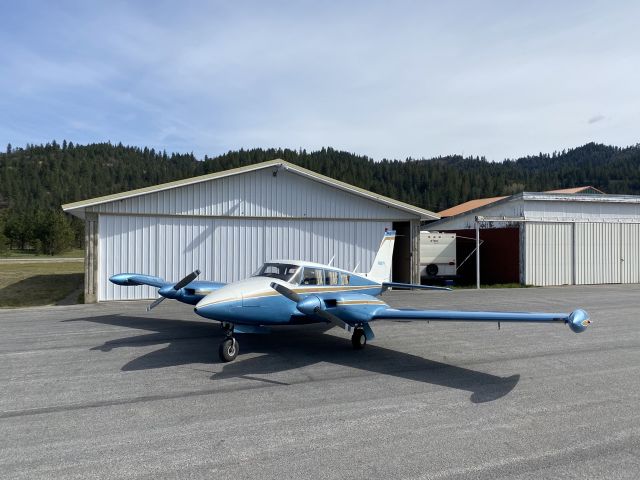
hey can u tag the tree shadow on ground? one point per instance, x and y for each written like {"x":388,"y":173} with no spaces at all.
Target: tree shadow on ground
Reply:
{"x":288,"y":348}
{"x":40,"y":290}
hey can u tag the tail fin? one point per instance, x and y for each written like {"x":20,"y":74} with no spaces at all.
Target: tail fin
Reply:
{"x":381,"y":269}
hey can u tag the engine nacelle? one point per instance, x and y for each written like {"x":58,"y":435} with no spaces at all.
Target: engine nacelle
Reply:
{"x":309,"y":304}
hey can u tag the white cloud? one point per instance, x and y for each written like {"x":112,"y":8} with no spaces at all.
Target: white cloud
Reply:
{"x":388,"y":80}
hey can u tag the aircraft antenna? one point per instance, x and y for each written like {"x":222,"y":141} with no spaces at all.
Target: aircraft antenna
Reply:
{"x":354,"y":270}
{"x":331,"y":261}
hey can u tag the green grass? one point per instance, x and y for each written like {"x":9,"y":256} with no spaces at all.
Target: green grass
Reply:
{"x":27,"y":285}
{"x":73,"y":253}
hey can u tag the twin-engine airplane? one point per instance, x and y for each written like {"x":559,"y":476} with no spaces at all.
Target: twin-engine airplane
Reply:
{"x":288,"y":292}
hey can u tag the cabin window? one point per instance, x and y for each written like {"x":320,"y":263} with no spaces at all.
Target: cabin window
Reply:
{"x":346,"y":278}
{"x":282,"y":271}
{"x":312,"y":276}
{"x":331,"y":277}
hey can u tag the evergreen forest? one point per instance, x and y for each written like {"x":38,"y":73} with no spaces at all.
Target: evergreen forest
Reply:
{"x":37,"y":179}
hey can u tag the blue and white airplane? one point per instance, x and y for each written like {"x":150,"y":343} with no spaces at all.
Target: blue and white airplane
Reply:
{"x":289,"y":292}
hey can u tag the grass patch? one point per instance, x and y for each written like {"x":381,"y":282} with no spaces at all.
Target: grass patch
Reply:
{"x":32,"y":284}
{"x":73,"y":253}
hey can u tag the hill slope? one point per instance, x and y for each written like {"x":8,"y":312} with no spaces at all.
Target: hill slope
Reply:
{"x":37,"y":179}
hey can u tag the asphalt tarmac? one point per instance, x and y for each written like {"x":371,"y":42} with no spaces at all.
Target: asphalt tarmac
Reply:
{"x":110,"y":391}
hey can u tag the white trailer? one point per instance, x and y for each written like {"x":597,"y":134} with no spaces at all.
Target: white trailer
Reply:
{"x":437,"y":255}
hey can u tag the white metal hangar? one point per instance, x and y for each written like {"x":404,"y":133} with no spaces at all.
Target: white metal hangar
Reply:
{"x":227,"y":223}
{"x":553,"y":238}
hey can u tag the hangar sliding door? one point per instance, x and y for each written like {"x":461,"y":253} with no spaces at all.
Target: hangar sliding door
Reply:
{"x":582,"y":253}
{"x":223,"y":249}
{"x":630,"y":255}
{"x":549,"y":254}
{"x":598,"y":253}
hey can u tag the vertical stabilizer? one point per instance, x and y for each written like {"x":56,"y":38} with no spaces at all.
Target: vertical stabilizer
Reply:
{"x":381,"y":269}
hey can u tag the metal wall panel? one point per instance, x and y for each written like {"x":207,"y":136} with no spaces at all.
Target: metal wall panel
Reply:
{"x":593,"y":211}
{"x":598,"y":249}
{"x":548,"y":254}
{"x":257,"y":194}
{"x":630,"y":254}
{"x":224,"y":249}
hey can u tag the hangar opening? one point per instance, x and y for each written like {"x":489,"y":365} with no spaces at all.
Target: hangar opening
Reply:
{"x":401,"y":269}
{"x":499,"y":255}
{"x":228,"y":223}
{"x":551,"y":238}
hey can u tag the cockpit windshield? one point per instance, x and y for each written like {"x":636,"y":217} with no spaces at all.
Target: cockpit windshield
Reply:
{"x":283,"y":271}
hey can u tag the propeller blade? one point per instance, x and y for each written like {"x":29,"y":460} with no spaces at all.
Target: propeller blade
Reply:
{"x":155,"y":303}
{"x":285,"y":292}
{"x":186,"y":280}
{"x":331,"y":318}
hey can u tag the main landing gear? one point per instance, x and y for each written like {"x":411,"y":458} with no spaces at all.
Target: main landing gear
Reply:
{"x":229,"y":348}
{"x":358,"y":339}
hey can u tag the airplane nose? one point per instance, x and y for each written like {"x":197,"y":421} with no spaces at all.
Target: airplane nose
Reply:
{"x":216,"y":305}
{"x":205,"y":310}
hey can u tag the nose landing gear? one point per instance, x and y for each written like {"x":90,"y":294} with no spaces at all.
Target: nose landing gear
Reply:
{"x":229,"y":348}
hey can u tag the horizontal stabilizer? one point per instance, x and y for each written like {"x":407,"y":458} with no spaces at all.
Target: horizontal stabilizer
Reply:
{"x":411,"y":286}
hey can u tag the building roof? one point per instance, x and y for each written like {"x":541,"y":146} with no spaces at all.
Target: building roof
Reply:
{"x":447,"y":223}
{"x":470,"y":205}
{"x":481,"y":202}
{"x":77,"y":208}
{"x":587,"y":189}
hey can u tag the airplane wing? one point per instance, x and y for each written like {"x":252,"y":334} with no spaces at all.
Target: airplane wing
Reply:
{"x":411,"y":286}
{"x":578,"y":320}
{"x":186,"y":290}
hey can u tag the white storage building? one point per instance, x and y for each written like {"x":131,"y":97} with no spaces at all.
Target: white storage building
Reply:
{"x":227,"y":223}
{"x":555,"y":239}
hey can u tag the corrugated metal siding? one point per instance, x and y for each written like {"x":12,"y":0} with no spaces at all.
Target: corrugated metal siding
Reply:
{"x":597,"y":253}
{"x":223,"y":249}
{"x":630,"y":268}
{"x":548,"y":254}
{"x":608,"y":212}
{"x":604,"y":253}
{"x":256,"y":194}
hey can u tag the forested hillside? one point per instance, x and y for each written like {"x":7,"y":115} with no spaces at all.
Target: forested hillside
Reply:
{"x":36,"y":180}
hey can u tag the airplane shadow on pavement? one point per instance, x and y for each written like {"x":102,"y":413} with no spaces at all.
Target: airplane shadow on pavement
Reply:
{"x":288,"y":348}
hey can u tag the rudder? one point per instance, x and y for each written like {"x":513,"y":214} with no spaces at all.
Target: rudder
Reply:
{"x":381,"y":269}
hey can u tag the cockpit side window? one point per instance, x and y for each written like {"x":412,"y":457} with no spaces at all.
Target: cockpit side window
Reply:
{"x":312,"y":276}
{"x":345,"y":278}
{"x":282,"y":271}
{"x":331,"y":277}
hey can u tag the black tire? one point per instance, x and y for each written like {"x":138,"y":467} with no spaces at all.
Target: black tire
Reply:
{"x":228,"y":350}
{"x":432,"y":270}
{"x":358,"y":339}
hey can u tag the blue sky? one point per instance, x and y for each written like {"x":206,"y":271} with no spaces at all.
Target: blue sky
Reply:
{"x":384,"y":79}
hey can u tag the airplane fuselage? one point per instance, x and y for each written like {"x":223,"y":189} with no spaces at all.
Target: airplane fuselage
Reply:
{"x":254,"y":302}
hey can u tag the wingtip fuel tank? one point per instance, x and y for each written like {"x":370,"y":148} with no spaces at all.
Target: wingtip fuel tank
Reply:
{"x":578,"y":321}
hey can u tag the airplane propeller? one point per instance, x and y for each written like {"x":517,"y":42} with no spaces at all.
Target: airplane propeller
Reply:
{"x":309,"y":305}
{"x":168,"y":291}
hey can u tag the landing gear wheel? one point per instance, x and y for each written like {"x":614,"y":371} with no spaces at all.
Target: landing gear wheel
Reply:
{"x":228,"y":350}
{"x":358,"y":339}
